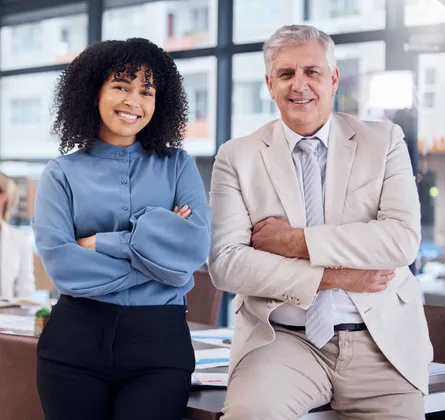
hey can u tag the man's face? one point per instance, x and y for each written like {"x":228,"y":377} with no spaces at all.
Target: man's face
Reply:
{"x":302,"y":85}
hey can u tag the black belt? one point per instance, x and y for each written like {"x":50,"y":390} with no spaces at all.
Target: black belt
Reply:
{"x":339,"y":327}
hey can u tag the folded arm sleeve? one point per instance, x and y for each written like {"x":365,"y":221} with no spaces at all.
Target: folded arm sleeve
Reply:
{"x":161,"y":244}
{"x":237,"y":267}
{"x":75,"y":270}
{"x":391,"y":241}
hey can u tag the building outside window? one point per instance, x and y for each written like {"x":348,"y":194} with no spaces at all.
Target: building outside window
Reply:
{"x":25,"y":111}
{"x":200,"y":19}
{"x":430,"y":76}
{"x":344,"y":8}
{"x":428,"y":99}
{"x":26,"y":38}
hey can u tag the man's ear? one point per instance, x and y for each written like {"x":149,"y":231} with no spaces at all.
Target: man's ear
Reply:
{"x":335,"y":80}
{"x":269,"y":85}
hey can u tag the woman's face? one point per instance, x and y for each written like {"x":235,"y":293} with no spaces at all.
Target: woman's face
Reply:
{"x":126,"y":106}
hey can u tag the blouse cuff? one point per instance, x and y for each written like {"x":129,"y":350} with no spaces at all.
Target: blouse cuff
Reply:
{"x":112,"y":244}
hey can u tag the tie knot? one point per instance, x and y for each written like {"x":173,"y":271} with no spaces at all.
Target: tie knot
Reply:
{"x":309,"y":145}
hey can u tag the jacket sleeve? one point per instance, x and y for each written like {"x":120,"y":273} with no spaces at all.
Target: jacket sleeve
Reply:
{"x":75,"y":270}
{"x":237,"y":267}
{"x":161,"y":244}
{"x":391,"y":241}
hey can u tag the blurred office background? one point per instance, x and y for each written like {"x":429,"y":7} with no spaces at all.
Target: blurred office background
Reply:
{"x":391,"y":55}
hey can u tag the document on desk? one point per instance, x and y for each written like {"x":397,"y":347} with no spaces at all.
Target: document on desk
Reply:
{"x":210,"y":358}
{"x":221,"y":337}
{"x":217,"y":380}
{"x":16,"y":322}
{"x":436,"y":369}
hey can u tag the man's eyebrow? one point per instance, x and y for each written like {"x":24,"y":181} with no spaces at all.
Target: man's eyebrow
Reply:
{"x":285,"y":69}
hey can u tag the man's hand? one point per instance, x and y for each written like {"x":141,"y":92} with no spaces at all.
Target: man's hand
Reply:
{"x":354,"y":280}
{"x":88,"y":243}
{"x":275,"y":236}
{"x":183,"y":211}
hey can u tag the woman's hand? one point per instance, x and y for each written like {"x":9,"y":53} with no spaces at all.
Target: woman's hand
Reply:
{"x":88,"y":243}
{"x":183,"y":212}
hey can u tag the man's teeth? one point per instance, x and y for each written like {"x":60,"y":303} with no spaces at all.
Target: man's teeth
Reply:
{"x":128,"y":116}
{"x":302,"y":102}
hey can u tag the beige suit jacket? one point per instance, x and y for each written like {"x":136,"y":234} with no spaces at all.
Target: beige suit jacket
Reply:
{"x":372,"y":216}
{"x":16,"y":264}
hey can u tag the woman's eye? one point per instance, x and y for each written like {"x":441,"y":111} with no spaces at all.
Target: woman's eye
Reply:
{"x":121,"y":88}
{"x":145,"y":93}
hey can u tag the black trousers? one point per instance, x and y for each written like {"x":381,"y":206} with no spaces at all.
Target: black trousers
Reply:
{"x":99,"y":361}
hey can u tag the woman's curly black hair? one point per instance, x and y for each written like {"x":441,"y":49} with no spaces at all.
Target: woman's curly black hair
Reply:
{"x":77,"y":119}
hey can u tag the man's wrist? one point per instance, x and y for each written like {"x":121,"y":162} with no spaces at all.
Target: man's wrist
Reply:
{"x":330,"y":279}
{"x":299,"y":245}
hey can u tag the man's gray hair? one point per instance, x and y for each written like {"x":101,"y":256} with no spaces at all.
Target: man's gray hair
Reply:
{"x":297,"y":35}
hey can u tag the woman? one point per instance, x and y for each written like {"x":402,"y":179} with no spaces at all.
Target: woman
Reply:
{"x":112,"y":238}
{"x":16,"y":254}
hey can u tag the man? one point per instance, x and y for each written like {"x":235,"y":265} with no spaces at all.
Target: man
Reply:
{"x":316,"y":219}
{"x":16,"y":254}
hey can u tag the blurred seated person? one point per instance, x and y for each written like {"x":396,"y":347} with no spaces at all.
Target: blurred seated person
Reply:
{"x":16,"y":255}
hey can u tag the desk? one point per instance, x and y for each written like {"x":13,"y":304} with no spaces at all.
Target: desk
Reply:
{"x":202,"y":405}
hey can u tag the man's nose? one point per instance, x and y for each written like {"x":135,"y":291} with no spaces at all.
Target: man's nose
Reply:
{"x":299,"y":83}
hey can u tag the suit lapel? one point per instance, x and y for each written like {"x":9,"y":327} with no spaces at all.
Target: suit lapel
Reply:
{"x":280,"y":167}
{"x":341,"y":154}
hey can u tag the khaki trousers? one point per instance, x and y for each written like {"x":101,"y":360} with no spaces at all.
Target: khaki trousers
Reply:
{"x":289,"y":377}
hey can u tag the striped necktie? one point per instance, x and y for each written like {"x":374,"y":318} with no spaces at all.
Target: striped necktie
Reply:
{"x":319,"y":316}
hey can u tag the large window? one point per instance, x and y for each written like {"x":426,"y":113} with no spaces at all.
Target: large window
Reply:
{"x":252,"y":104}
{"x":220,"y":59}
{"x":256,"y":20}
{"x":342,"y":16}
{"x":200,"y":86}
{"x":424,"y":12}
{"x":173,"y":25}
{"x":357,"y":64}
{"x":25,"y":118}
{"x":39,"y":39}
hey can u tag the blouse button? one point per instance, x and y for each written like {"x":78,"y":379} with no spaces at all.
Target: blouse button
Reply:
{"x":125,"y":207}
{"x":122,"y":153}
{"x":123,"y":181}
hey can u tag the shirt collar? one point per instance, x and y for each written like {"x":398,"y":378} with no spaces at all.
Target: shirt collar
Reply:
{"x":105,"y":150}
{"x":293,"y":138}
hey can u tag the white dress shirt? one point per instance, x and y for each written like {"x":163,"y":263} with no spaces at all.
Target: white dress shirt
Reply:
{"x":344,"y":310}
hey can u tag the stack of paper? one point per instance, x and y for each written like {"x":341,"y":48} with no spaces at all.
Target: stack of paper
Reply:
{"x":211,"y":358}
{"x":17,"y":322}
{"x":436,"y":369}
{"x":221,"y":337}
{"x":218,"y":380}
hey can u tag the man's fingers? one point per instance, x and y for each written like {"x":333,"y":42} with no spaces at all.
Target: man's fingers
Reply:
{"x":387,"y":272}
{"x":176,"y":209}
{"x":261,"y":224}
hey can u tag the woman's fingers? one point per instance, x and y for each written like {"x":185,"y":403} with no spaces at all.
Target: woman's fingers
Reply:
{"x":184,"y":211}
